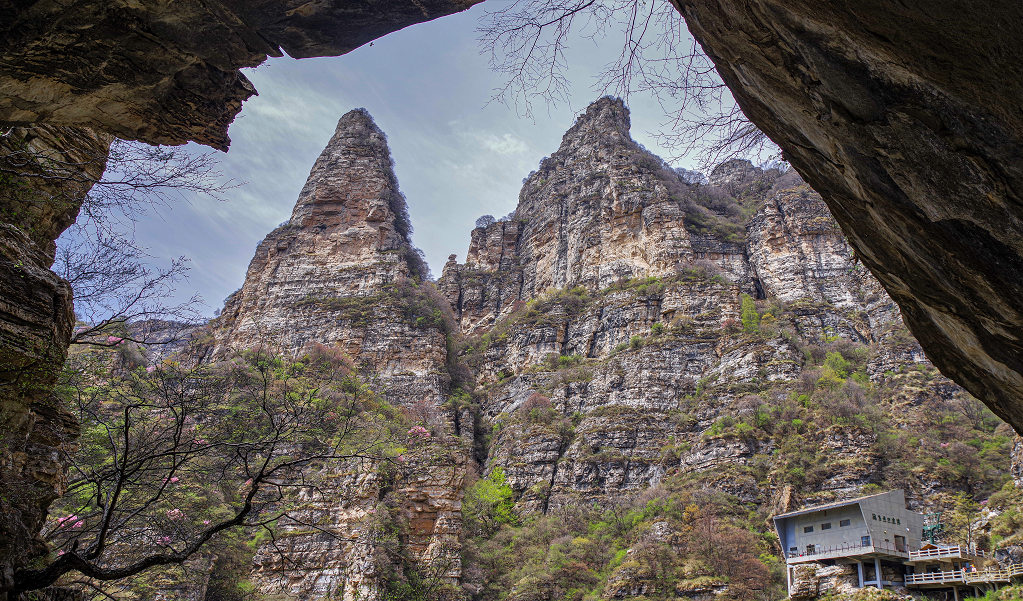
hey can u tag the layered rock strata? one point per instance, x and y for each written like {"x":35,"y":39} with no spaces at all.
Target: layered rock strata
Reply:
{"x":342,"y":273}
{"x":45,"y":173}
{"x":169,"y":73}
{"x":607,"y":328}
{"x":906,"y":120}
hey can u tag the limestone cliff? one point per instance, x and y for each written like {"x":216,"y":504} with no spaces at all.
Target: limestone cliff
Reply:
{"x":342,"y":273}
{"x":630,"y":334}
{"x":607,"y":327}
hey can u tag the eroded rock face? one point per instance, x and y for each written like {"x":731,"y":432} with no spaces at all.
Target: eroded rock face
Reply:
{"x":342,"y":273}
{"x":168,"y":73}
{"x":907,"y":121}
{"x":36,"y":318}
{"x":600,"y":210}
{"x":602,"y":368}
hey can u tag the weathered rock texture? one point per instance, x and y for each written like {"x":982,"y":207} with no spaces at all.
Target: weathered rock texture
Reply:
{"x":169,"y":72}
{"x":342,"y":273}
{"x":36,"y":319}
{"x":906,"y":118}
{"x":606,"y":328}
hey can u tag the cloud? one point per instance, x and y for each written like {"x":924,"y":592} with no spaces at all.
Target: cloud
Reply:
{"x":506,"y":144}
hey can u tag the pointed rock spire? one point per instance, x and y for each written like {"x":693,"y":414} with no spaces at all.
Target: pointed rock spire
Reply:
{"x":348,"y":236}
{"x":352,"y":185}
{"x":605,"y":119}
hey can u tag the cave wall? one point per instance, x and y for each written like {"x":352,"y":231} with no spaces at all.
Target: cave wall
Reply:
{"x":906,"y":117}
{"x":45,"y":173}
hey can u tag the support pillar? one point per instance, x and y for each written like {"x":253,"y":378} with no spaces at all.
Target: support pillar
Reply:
{"x":788,"y":578}
{"x":859,"y":573}
{"x":877,"y":572}
{"x":955,"y":592}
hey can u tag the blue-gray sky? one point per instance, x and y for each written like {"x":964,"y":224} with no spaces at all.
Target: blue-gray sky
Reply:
{"x":456,"y":155}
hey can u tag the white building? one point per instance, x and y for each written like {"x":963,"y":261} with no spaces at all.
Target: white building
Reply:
{"x":875,"y":533}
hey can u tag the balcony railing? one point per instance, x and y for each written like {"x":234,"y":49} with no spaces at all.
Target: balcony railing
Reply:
{"x":846,"y":551}
{"x":1003,"y":574}
{"x":949,"y":552}
{"x":949,"y":577}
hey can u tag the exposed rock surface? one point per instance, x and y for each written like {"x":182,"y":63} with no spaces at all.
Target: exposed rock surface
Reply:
{"x":169,"y":72}
{"x":36,"y":319}
{"x":906,"y":118}
{"x":342,"y":273}
{"x":811,"y":580}
{"x":604,"y":323}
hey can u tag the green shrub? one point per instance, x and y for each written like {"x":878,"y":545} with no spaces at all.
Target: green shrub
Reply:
{"x":750,"y":317}
{"x":488,"y":504}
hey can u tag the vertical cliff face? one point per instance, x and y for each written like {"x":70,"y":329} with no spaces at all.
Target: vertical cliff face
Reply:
{"x":627,"y":326}
{"x":36,"y":318}
{"x":342,"y":273}
{"x":598,"y":211}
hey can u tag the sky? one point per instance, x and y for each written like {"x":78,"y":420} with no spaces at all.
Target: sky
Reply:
{"x":458,"y":154}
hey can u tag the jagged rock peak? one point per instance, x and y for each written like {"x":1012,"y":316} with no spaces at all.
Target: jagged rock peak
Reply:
{"x":352,"y":185}
{"x":605,"y":117}
{"x":732,"y":170}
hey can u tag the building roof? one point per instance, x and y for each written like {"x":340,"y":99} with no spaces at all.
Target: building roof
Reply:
{"x":831,"y":505}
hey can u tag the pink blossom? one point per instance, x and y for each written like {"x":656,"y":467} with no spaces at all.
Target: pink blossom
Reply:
{"x":78,"y":524}
{"x":944,"y":445}
{"x":67,"y":518}
{"x":175,"y":514}
{"x":200,"y":441}
{"x":205,"y":522}
{"x":400,"y":459}
{"x":59,"y":553}
{"x":114,"y":340}
{"x":150,"y":369}
{"x":174,"y":479}
{"x":419,"y":431}
{"x":163,"y":540}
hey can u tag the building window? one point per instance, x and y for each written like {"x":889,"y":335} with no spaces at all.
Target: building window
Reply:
{"x":898,"y":521}
{"x":873,"y":516}
{"x":826,"y":526}
{"x":810,"y":549}
{"x":843,"y":523}
{"x":807,"y":529}
{"x":865,"y":541}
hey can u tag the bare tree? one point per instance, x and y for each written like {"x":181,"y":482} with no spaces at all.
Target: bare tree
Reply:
{"x":527,"y":42}
{"x":171,"y":458}
{"x":104,"y":189}
{"x":117,"y":293}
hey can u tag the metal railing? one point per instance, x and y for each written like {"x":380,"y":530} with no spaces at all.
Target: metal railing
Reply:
{"x":847,"y":550}
{"x":951,"y":551}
